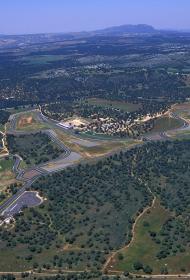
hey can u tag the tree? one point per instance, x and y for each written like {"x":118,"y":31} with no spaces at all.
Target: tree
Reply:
{"x":147,"y":269}
{"x":138,"y":265}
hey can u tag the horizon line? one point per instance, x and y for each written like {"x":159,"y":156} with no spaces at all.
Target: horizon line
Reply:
{"x":94,"y":30}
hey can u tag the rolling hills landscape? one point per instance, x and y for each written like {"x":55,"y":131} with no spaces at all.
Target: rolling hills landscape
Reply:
{"x":95,"y":154}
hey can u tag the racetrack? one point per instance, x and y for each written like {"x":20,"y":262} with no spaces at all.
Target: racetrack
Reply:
{"x":22,"y":198}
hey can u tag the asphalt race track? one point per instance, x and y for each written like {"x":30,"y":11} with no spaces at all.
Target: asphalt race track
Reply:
{"x":24,"y":197}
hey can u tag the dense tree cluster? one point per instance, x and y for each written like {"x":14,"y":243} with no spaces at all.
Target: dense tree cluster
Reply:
{"x":109,"y":67}
{"x":100,"y":196}
{"x":32,"y":232}
{"x":4,"y":116}
{"x":34,"y":148}
{"x":92,"y":207}
{"x":8,"y":277}
{"x":117,"y":122}
{"x":70,"y":276}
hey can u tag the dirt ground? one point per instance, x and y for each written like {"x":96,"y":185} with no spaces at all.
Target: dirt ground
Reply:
{"x":25,"y":121}
{"x":75,"y":122}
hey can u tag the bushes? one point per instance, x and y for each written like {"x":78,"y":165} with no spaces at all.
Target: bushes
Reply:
{"x":139,"y":266}
{"x":93,"y":206}
{"x":34,"y":149}
{"x":4,"y":116}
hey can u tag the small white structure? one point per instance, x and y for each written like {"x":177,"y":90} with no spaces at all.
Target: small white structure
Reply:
{"x":65,"y":125}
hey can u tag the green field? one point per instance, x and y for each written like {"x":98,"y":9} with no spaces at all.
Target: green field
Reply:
{"x":181,"y":134}
{"x":2,"y":127}
{"x":166,"y":123}
{"x":144,"y":249}
{"x":6,"y":164}
{"x":122,"y":105}
{"x":6,"y":175}
{"x":20,"y":109}
{"x":42,"y":59}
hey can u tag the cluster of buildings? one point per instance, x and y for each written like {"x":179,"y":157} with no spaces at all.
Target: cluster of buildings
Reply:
{"x":111,"y":126}
{"x":106,"y":125}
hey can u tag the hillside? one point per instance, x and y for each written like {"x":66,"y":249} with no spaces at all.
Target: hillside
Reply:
{"x":127,"y":28}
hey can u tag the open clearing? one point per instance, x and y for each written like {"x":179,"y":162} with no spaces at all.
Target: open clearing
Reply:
{"x":125,"y":106}
{"x":166,"y":123}
{"x":143,"y":249}
{"x":75,"y":122}
{"x":183,"y":110}
{"x":90,"y":149}
{"x":2,"y":128}
{"x":29,"y":122}
{"x":42,"y":59}
{"x":16,"y":260}
{"x":6,"y":174}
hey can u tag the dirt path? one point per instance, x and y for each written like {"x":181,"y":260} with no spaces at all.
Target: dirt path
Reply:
{"x":44,"y":273}
{"x":152,"y":276}
{"x":4,"y":150}
{"x":113,"y":255}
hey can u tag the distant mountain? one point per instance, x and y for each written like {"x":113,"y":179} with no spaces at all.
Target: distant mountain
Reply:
{"x":128,"y":28}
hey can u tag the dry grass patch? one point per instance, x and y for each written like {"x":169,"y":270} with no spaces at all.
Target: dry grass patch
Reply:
{"x":29,"y":121}
{"x":103,"y":148}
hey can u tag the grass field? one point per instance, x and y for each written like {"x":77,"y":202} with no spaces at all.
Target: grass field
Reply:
{"x":180,"y":134}
{"x":42,"y":59}
{"x":6,"y":164}
{"x":14,"y":260}
{"x":20,"y":109}
{"x":6,"y":175}
{"x":183,"y":110}
{"x":143,"y":249}
{"x":125,"y":106}
{"x":166,"y":123}
{"x":103,"y":147}
{"x":2,"y":128}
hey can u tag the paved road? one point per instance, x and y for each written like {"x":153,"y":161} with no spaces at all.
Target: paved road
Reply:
{"x":23,"y":198}
{"x":163,"y":135}
{"x":17,"y":201}
{"x":13,"y":198}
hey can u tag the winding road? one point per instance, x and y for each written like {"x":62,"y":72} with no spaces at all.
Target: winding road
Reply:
{"x":22,"y":198}
{"x":28,"y":176}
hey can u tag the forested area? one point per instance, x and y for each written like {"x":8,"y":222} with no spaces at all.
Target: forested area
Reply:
{"x":110,"y":67}
{"x":64,"y":110}
{"x":119,"y":122}
{"x":89,"y":210}
{"x":92,"y":207}
{"x":4,"y":116}
{"x":34,"y":148}
{"x":70,"y":276}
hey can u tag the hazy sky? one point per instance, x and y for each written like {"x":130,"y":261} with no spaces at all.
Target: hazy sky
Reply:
{"x":37,"y":16}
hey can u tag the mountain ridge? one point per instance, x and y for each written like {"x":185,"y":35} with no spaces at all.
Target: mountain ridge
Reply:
{"x":128,"y":28}
{"x":124,"y":28}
